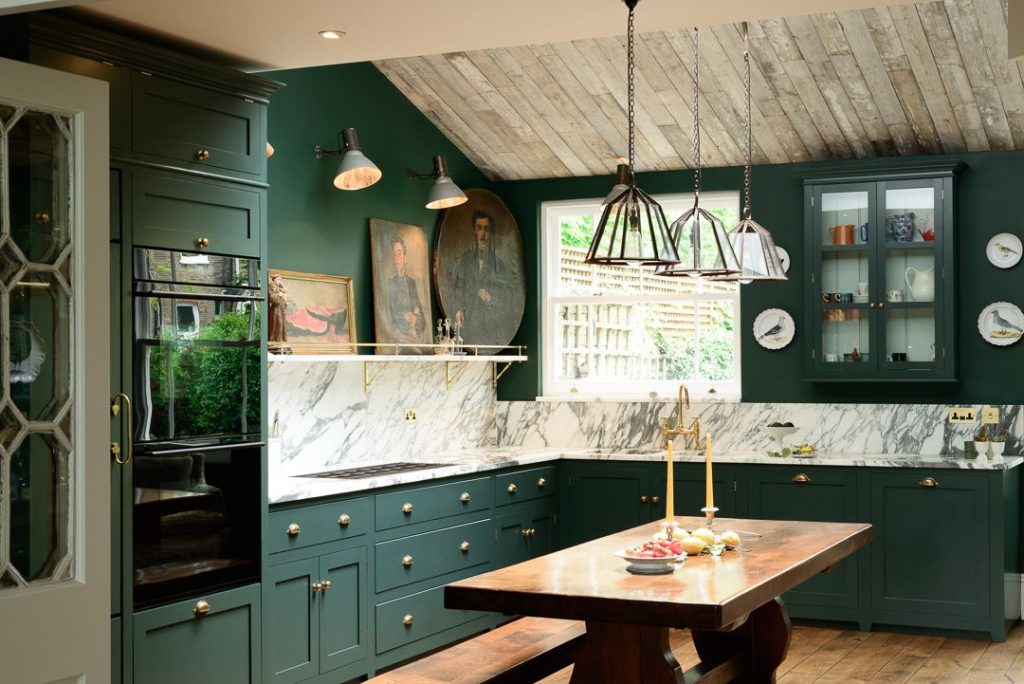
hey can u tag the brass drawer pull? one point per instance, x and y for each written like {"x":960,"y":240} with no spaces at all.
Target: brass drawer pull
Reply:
{"x":464,"y":497}
{"x":464,"y":547}
{"x":317,"y":587}
{"x":115,"y":410}
{"x":202,"y":154}
{"x":294,"y":529}
{"x":643,"y":499}
{"x":542,"y":483}
{"x":201,"y":609}
{"x":202,"y":242}
{"x":344,"y":519}
{"x":655,"y":499}
{"x":407,"y":561}
{"x":407,"y":621}
{"x":800,"y":478}
{"x":407,"y":508}
{"x":929,"y":482}
{"x":512,"y":488}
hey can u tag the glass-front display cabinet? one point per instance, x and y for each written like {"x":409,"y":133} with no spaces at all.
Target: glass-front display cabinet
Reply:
{"x":881,"y":297}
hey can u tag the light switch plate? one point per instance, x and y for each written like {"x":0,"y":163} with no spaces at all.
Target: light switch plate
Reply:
{"x":962,"y":414}
{"x":990,"y":415}
{"x":410,"y":415}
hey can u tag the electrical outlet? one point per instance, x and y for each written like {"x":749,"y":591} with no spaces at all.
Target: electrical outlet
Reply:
{"x":990,"y":415}
{"x":962,"y":414}
{"x":410,"y":415}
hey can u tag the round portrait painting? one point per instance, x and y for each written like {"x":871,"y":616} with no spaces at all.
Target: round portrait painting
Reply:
{"x":479,"y":274}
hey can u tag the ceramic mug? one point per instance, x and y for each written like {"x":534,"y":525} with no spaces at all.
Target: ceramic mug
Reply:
{"x":842,"y":235}
{"x":894,"y":296}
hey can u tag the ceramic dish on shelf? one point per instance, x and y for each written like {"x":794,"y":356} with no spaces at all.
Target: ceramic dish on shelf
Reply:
{"x":774,"y":329}
{"x":650,"y":566}
{"x":860,"y":299}
{"x":1004,"y":250}
{"x":783,"y":257}
{"x":1001,"y":324}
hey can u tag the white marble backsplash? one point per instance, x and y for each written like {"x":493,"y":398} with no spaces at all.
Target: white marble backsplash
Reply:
{"x":327,"y":421}
{"x":852,"y":428}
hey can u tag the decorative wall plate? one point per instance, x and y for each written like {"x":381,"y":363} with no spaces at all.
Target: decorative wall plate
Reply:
{"x":774,"y":328}
{"x":783,"y":257}
{"x":1001,"y":324}
{"x":27,"y":353}
{"x":1004,"y":250}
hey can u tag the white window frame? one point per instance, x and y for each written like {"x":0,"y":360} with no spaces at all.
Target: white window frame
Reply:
{"x":555,"y":389}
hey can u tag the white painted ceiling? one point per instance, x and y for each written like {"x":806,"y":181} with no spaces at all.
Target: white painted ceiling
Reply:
{"x":261,"y":34}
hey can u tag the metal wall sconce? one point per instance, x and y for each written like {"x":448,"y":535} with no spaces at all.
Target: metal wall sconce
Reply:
{"x":444,"y":194}
{"x":355,"y":171}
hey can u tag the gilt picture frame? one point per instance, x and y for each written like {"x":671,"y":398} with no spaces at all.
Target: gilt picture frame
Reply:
{"x":310,"y":313}
{"x":401,"y":288}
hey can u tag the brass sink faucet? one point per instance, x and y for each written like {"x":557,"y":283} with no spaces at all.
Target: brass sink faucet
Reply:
{"x":669,"y":432}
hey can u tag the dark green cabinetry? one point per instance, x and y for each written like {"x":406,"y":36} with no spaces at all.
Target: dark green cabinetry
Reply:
{"x":182,"y":643}
{"x":525,"y":533}
{"x":431,"y":554}
{"x":297,"y":528}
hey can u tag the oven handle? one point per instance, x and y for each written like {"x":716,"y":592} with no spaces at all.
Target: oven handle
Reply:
{"x":164,"y":294}
{"x":216,"y":447}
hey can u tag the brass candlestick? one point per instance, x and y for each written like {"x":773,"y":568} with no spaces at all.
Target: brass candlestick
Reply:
{"x":709,"y":516}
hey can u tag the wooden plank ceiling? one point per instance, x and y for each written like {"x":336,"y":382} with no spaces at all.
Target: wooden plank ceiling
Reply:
{"x":900,"y":80}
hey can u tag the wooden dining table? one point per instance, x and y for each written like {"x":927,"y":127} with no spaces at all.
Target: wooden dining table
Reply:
{"x":730,"y":603}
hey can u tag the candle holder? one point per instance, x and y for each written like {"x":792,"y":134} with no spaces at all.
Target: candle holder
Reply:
{"x":709,"y":515}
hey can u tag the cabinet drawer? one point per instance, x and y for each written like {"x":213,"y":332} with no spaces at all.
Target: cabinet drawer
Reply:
{"x":296,"y":528}
{"x":173,"y":645}
{"x":524,"y":485}
{"x":174,"y":212}
{"x":401,"y":509}
{"x":422,"y":556}
{"x":196,"y":128}
{"x":415,"y":617}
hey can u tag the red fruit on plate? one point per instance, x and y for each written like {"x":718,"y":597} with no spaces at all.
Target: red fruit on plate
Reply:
{"x":677,"y":548}
{"x":647,"y":553}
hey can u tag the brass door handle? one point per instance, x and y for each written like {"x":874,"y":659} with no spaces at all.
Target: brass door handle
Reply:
{"x":643,"y":499}
{"x":407,"y":561}
{"x":407,"y":621}
{"x":542,"y":483}
{"x":407,"y":508}
{"x":201,"y":608}
{"x":202,"y":154}
{"x":293,"y":530}
{"x":344,"y":519}
{"x":800,"y":478}
{"x":929,"y":482}
{"x":317,"y":587}
{"x":512,"y":488}
{"x":881,"y":305}
{"x":115,"y":410}
{"x":326,"y":584}
{"x":871,"y":305}
{"x":464,"y":497}
{"x":464,"y":547}
{"x":525,"y":532}
{"x":655,"y":499}
{"x":202,"y":242}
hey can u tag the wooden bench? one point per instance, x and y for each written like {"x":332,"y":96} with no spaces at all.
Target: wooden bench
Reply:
{"x":525,"y":650}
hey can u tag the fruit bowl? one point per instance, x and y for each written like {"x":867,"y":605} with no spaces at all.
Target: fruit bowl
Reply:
{"x":638,"y":565}
{"x":779,"y":434}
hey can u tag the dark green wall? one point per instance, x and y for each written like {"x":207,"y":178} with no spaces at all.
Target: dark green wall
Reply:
{"x":988,"y":204}
{"x":313,"y":226}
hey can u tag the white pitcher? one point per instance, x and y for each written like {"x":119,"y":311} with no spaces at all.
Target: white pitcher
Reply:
{"x":921,"y":285}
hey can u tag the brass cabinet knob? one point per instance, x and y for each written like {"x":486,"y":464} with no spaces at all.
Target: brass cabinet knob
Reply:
{"x":407,"y":561}
{"x":464,"y":547}
{"x":294,"y":529}
{"x":202,"y":242}
{"x":643,"y":499}
{"x":317,"y":587}
{"x":881,"y":305}
{"x":525,"y":532}
{"x":326,"y":584}
{"x":42,"y":218}
{"x":929,"y":482}
{"x":533,"y":532}
{"x":407,"y":621}
{"x":464,"y":497}
{"x":542,"y":483}
{"x":800,"y":478}
{"x":344,"y":519}
{"x":655,"y":499}
{"x":202,"y":154}
{"x":201,"y":608}
{"x":871,"y":305}
{"x":407,"y":508}
{"x":512,"y":488}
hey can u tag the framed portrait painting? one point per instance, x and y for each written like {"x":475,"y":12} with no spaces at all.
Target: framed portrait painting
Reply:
{"x":401,"y":287}
{"x":479,"y":270}
{"x":310,"y":313}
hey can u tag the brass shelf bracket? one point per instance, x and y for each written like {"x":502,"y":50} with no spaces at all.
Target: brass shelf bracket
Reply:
{"x":496,"y":374}
{"x":369,"y":379}
{"x":449,"y":376}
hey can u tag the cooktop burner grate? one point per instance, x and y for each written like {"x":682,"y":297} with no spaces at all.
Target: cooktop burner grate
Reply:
{"x":374,"y":470}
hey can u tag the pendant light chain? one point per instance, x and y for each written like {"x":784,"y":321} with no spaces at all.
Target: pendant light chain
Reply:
{"x":630,"y":87}
{"x":749,"y":146}
{"x":696,"y":113}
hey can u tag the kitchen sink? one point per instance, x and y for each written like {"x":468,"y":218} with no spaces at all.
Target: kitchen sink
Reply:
{"x":373,"y":470}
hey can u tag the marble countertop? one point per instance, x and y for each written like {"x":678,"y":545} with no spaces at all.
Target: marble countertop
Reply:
{"x":284,"y":488}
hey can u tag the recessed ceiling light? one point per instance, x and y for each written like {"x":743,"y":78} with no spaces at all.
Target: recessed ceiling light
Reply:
{"x":332,"y":34}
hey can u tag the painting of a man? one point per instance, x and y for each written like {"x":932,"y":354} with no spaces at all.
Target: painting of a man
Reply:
{"x":404,"y":302}
{"x":401,"y":286}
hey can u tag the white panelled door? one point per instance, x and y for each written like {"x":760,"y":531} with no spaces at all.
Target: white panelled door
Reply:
{"x":54,"y":377}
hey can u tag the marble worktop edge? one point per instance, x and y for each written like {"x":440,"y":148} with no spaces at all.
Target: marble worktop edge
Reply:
{"x":285,"y":488}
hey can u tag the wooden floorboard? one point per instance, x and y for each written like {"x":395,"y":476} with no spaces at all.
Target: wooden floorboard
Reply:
{"x":819,"y":654}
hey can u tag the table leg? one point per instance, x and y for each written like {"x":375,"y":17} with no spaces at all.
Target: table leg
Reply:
{"x":615,"y":653}
{"x":762,"y":642}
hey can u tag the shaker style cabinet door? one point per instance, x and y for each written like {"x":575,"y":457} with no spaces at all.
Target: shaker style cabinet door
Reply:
{"x":606,"y":498}
{"x":344,"y":607}
{"x":290,"y":646}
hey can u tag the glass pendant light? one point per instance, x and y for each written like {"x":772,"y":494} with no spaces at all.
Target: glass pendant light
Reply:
{"x":700,"y":237}
{"x":753,"y":244}
{"x":633,"y":228}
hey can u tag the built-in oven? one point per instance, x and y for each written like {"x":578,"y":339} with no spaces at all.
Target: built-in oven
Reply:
{"x":197,"y":440}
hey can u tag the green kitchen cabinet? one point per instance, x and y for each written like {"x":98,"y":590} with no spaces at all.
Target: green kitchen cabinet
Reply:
{"x":524,"y":533}
{"x":881,"y":293}
{"x":315,"y":615}
{"x":427,"y":555}
{"x":415,"y":618}
{"x":411,"y":506}
{"x":212,"y":639}
{"x":605,"y":498}
{"x":816,"y":495}
{"x":116,"y":650}
{"x":690,"y":490}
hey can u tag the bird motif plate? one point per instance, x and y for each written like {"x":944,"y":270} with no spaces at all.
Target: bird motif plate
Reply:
{"x":1001,"y":324}
{"x":1004,"y":250}
{"x":774,"y":328}
{"x":783,"y":257}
